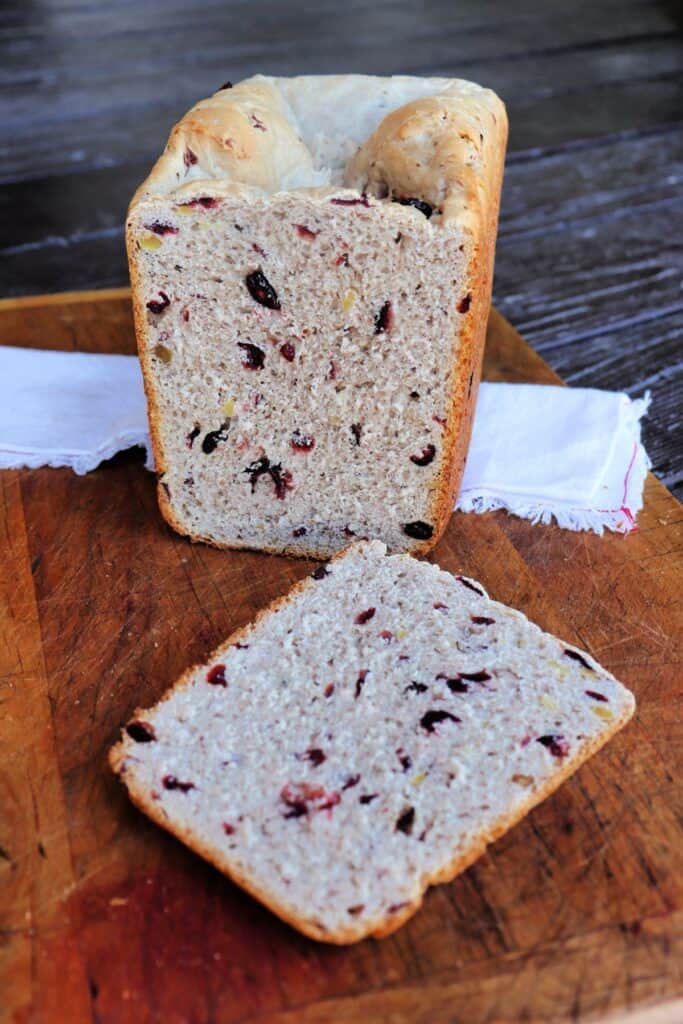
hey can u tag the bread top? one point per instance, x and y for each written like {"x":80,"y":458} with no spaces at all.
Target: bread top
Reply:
{"x":437,"y":140}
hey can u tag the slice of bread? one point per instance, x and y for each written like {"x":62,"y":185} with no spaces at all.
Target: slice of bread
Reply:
{"x":311,"y":261}
{"x":365,"y":738}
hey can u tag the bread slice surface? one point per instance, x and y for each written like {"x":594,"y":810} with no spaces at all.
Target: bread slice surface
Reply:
{"x":365,"y":738}
{"x":311,"y":303}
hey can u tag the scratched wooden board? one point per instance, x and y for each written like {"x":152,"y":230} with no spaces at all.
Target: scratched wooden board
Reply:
{"x":574,"y":915}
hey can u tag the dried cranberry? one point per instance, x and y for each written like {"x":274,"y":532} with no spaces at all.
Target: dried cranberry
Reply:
{"x":556,"y":744}
{"x":189,"y":158}
{"x":470,"y":586}
{"x":352,"y":781}
{"x":185,"y":315}
{"x":262,"y":290}
{"x":356,"y":429}
{"x":216,"y":676}
{"x":578,"y":657}
{"x":206,"y":202}
{"x":384,"y":320}
{"x":297,"y":808}
{"x":320,"y":573}
{"x":414,"y":394}
{"x":305,"y":232}
{"x":367,"y":798}
{"x":170,"y":782}
{"x":315,"y":755}
{"x":158,"y":307}
{"x":475,"y":677}
{"x":354,"y":911}
{"x":431,"y":719}
{"x":257,"y":123}
{"x":300,"y":531}
{"x":297,"y":798}
{"x":161,"y":229}
{"x":360,"y":681}
{"x":465,"y":303}
{"x":240,"y":647}
{"x":387,"y":636}
{"x":418,"y":530}
{"x":416,"y":687}
{"x":426,"y":208}
{"x":440,"y":606}
{"x":596,"y":696}
{"x":141,"y":732}
{"x":482,"y":620}
{"x":343,"y":260}
{"x":214,"y":437}
{"x":228,"y":828}
{"x":332,"y":372}
{"x":194,"y":433}
{"x":426,"y":456}
{"x":405,"y":759}
{"x":287,"y":351}
{"x":364,"y":617}
{"x":405,"y":821}
{"x":257,"y":248}
{"x":362,"y":201}
{"x":302,"y":442}
{"x":282,"y":479}
{"x":395,"y":907}
{"x":348,"y":531}
{"x":332,"y":801}
{"x":329,"y":690}
{"x":455,"y":685}
{"x":255,"y":357}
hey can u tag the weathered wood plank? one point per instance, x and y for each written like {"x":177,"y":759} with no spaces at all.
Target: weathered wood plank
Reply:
{"x":559,"y":191}
{"x":634,"y":360}
{"x":553,"y":99}
{"x":35,"y":847}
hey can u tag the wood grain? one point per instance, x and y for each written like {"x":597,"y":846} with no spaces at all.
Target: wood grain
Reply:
{"x":574,"y":915}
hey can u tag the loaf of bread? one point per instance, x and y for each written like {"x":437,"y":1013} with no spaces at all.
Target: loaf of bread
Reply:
{"x":311,"y":262}
{"x":365,"y":738}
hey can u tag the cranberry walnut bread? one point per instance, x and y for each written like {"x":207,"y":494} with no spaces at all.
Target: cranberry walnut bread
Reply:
{"x":335,"y":781}
{"x":311,"y":261}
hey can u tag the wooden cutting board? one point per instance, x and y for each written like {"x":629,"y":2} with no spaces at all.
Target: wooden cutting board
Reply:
{"x":574,"y":915}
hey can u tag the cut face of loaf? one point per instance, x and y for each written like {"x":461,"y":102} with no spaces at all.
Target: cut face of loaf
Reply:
{"x":311,"y":264}
{"x":366,"y":738}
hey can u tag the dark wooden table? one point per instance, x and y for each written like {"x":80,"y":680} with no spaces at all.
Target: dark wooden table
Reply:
{"x":590,"y":252}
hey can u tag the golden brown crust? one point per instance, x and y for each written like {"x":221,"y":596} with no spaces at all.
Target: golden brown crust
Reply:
{"x":470,"y":354}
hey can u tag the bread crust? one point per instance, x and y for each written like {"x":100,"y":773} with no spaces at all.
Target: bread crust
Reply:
{"x":381,"y":926}
{"x":465,"y":194}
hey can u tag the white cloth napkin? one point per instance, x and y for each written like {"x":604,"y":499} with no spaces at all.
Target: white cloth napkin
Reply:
{"x":569,"y":454}
{"x":572,"y":454}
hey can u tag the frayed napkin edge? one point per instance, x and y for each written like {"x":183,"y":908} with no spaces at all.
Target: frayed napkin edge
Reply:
{"x":80,"y":462}
{"x":619,"y":520}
